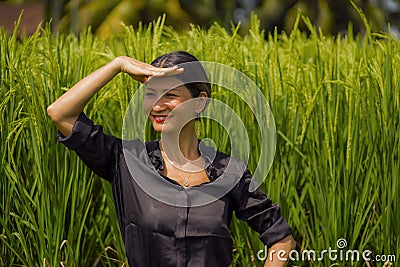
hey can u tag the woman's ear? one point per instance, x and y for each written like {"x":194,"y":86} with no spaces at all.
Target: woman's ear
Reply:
{"x":201,"y":101}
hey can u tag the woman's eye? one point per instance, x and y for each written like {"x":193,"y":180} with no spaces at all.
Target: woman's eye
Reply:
{"x":170,"y":95}
{"x":149,"y":94}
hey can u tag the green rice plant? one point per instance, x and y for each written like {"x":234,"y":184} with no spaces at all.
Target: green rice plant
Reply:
{"x":336,"y":105}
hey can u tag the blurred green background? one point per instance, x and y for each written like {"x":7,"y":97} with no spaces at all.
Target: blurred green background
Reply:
{"x":105,"y":16}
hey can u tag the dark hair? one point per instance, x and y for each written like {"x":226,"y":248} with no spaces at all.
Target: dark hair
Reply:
{"x":193,"y":71}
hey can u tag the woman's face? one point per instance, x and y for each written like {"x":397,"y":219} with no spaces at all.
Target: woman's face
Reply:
{"x":168,"y":106}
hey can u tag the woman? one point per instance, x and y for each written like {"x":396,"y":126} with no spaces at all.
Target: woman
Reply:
{"x":157,"y":233}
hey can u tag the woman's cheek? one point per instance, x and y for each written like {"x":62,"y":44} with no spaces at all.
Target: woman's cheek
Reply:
{"x":147,"y":105}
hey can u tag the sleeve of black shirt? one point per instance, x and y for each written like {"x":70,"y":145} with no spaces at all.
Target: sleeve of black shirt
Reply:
{"x":259,"y":212}
{"x":97,"y":150}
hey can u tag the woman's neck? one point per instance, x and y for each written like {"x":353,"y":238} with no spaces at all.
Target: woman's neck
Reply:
{"x":181,"y":147}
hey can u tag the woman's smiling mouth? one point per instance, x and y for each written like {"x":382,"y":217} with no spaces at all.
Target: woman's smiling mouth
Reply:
{"x":160,"y":118}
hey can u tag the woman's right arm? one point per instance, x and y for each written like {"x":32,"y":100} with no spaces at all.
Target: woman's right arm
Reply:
{"x":65,"y":110}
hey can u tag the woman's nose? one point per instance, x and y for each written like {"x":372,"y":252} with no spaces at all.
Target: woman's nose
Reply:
{"x":159,"y":105}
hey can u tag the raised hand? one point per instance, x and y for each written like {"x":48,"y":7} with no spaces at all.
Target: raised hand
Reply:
{"x":66,"y":109}
{"x":141,"y":71}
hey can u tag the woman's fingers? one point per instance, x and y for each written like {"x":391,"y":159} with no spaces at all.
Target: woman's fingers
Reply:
{"x":141,"y":71}
{"x":158,"y":72}
{"x":170,"y":70}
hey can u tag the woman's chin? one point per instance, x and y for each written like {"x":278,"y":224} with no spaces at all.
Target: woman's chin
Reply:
{"x":169,"y":127}
{"x":164,"y":128}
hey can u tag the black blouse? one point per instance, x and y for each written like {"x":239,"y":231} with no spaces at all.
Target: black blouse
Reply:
{"x":163,"y":223}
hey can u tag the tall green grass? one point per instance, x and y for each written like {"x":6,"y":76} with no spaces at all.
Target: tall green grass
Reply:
{"x":336,"y":170}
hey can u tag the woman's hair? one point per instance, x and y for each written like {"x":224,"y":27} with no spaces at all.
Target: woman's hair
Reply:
{"x":193,"y":71}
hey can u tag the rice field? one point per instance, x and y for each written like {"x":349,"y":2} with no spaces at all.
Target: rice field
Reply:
{"x":336,"y":105}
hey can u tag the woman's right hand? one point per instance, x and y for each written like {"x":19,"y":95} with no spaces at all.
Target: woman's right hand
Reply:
{"x":141,"y":71}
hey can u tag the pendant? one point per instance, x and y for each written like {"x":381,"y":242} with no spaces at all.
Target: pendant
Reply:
{"x":186,"y":183}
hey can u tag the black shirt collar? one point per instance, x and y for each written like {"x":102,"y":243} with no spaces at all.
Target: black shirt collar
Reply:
{"x":216,"y":161}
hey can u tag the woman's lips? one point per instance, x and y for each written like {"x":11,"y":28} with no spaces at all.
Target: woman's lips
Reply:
{"x":161,"y":119}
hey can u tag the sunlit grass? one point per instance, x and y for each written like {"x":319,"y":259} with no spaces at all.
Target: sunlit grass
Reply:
{"x":336,"y":104}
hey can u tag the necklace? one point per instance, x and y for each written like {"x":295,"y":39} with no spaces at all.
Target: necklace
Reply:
{"x":186,"y":183}
{"x":183,"y":168}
